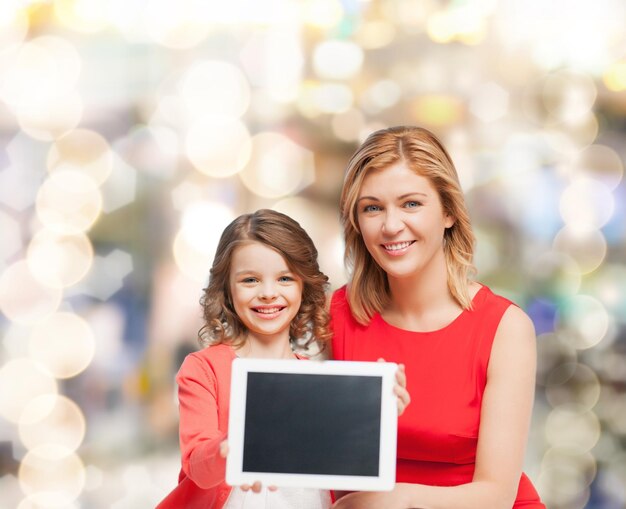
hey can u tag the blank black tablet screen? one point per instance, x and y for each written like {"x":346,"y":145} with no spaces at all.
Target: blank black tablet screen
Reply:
{"x":312,"y":424}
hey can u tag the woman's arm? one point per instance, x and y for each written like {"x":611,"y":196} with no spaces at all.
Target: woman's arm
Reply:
{"x":199,"y":433}
{"x":504,"y":424}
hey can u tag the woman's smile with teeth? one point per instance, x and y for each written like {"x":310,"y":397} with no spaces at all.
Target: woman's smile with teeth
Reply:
{"x":397,"y":246}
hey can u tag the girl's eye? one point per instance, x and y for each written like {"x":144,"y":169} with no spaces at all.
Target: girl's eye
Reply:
{"x":249,"y":280}
{"x":285,"y":279}
{"x":371,"y":208}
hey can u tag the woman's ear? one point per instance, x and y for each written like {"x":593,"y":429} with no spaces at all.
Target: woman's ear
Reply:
{"x":449,"y":221}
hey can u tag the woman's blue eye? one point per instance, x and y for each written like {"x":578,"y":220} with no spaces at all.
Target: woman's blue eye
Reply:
{"x":411,"y":204}
{"x":371,"y":208}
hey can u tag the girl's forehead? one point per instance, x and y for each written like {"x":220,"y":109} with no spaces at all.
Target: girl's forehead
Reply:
{"x":256,"y":254}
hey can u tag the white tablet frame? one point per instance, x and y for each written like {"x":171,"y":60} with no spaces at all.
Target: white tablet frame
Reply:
{"x":388,"y":425}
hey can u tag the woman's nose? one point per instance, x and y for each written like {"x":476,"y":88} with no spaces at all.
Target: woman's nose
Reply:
{"x":392,"y":223}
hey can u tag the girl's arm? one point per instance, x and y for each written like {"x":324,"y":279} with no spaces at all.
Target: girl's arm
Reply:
{"x":504,"y":424}
{"x":200,"y":436}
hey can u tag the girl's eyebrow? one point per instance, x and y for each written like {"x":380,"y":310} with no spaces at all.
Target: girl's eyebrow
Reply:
{"x":254,"y":273}
{"x":401,"y":197}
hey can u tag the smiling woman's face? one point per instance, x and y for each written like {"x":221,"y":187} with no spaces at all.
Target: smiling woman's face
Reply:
{"x":401,"y":220}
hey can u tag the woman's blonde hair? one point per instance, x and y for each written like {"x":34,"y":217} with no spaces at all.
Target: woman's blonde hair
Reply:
{"x":422,"y":152}
{"x":288,"y":238}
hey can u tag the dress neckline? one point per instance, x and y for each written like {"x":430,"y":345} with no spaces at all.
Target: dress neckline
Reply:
{"x":453,"y":322}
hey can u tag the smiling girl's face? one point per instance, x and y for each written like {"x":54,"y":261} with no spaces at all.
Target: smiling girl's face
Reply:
{"x":265,"y":293}
{"x":401,"y":220}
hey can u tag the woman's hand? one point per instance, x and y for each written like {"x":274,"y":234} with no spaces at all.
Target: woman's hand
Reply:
{"x":394,"y":499}
{"x":256,"y":486}
{"x":404,"y":398}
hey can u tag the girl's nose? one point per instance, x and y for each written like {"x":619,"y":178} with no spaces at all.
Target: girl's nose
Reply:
{"x":267,"y":291}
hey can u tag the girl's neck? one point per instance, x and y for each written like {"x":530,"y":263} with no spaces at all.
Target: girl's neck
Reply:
{"x":256,"y":348}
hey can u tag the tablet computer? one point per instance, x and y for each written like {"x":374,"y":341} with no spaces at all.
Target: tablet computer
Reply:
{"x":313,"y":424}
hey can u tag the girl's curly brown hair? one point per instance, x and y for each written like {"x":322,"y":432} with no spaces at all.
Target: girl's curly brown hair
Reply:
{"x":286,"y":236}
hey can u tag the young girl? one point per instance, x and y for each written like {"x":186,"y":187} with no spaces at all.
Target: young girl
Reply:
{"x":265,"y":292}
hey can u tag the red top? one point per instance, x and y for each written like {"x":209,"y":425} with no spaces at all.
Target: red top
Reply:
{"x":446,"y":375}
{"x":204,"y":400}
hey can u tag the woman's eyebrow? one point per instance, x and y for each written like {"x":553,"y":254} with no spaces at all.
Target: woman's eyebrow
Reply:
{"x":401,"y":197}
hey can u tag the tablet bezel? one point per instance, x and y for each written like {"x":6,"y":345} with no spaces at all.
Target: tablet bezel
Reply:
{"x":385,"y":479}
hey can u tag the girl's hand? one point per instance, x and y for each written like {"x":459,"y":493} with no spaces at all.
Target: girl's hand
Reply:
{"x":394,"y":499}
{"x":404,"y":398}
{"x":256,"y":486}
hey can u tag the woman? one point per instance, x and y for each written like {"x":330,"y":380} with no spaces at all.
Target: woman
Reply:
{"x":470,"y":355}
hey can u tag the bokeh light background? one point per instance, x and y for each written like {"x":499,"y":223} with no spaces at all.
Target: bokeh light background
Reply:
{"x":133,"y":131}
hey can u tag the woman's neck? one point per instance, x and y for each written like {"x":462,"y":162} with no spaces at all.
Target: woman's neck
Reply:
{"x":422,"y":301}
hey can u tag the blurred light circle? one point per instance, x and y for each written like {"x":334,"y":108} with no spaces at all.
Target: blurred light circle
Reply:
{"x":587,"y":248}
{"x":569,"y":96}
{"x":218,"y":146}
{"x":489,"y":102}
{"x":614,"y":408}
{"x":180,"y":25}
{"x":572,"y":427}
{"x":440,"y":27}
{"x":615,"y":76}
{"x":609,"y":286}
{"x":337,"y":60}
{"x":348,"y":124}
{"x":586,"y":204}
{"x":553,"y":351}
{"x":585,"y":463}
{"x":28,"y":379}
{"x":582,"y":321}
{"x":195,"y":243}
{"x":277,"y":166}
{"x":214,"y":88}
{"x":46,"y":59}
{"x":52,"y":420}
{"x":573,"y":383}
{"x":375,"y":34}
{"x":84,"y":151}
{"x":437,"y":110}
{"x":600,"y":163}
{"x":64,"y":343}
{"x":46,"y":501}
{"x":322,"y":13}
{"x":57,"y":260}
{"x":49,"y":118}
{"x":563,"y":485}
{"x":52,"y":472}
{"x":381,"y":95}
{"x":554,"y":274}
{"x":332,"y":98}
{"x":11,"y":237}
{"x":23,"y":298}
{"x":192,"y":262}
{"x":13,"y":25}
{"x":68,"y":202}
{"x":203,"y":223}
{"x":85,"y":16}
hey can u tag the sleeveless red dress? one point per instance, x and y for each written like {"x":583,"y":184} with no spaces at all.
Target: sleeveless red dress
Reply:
{"x":446,"y":376}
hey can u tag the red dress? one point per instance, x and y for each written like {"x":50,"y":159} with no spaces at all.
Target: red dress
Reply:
{"x":446,"y":376}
